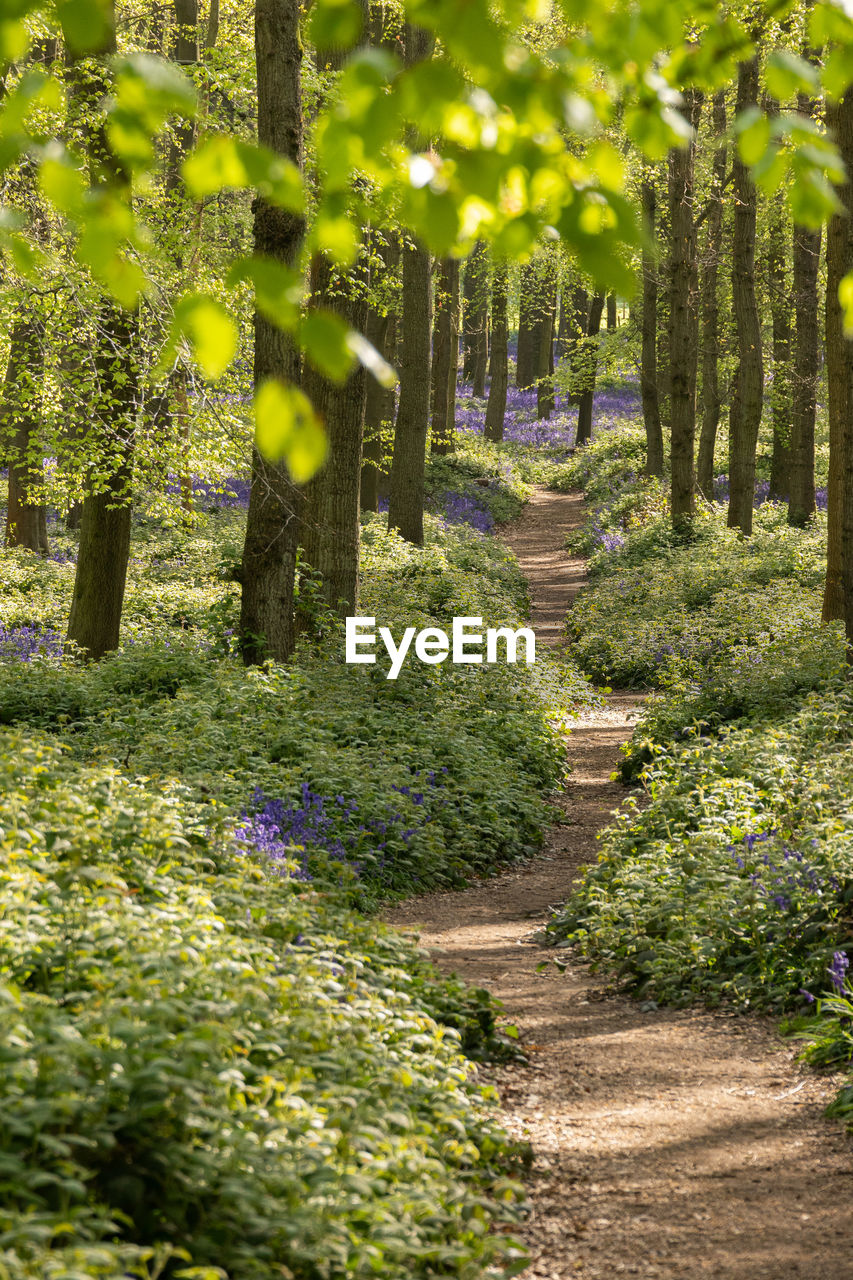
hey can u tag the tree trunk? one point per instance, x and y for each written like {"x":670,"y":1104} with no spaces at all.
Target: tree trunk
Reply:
{"x":475,"y":319}
{"x":580,"y":324}
{"x":839,"y":362}
{"x":379,"y":401}
{"x":496,"y":408}
{"x":330,"y":520}
{"x":525,"y":368}
{"x":443,"y":382}
{"x":710,"y":306}
{"x":588,"y":356}
{"x":801,"y":498}
{"x":545,"y":371}
{"x":20,"y":413}
{"x":649,"y":357}
{"x":781,"y":305}
{"x":683,"y":322}
{"x":272,"y":527}
{"x":745,"y":411}
{"x":406,"y":507}
{"x":611,"y":311}
{"x":96,"y":606}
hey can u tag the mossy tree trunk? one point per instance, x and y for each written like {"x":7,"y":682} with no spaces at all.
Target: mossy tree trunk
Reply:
{"x":20,"y":404}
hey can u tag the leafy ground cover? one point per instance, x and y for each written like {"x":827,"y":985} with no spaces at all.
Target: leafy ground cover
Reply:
{"x":211,"y":1066}
{"x":731,"y":878}
{"x":216,"y":1062}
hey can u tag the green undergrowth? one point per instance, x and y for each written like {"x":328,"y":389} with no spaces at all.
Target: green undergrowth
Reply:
{"x":216,"y":1062}
{"x":212,"y":1066}
{"x":730,"y":878}
{"x":176,"y":708}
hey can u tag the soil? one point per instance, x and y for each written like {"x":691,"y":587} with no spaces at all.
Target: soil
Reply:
{"x":670,"y":1143}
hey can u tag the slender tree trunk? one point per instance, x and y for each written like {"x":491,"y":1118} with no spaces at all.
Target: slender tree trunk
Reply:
{"x":545,"y":371}
{"x":272,"y":527}
{"x":496,"y":407}
{"x":406,"y":508}
{"x":379,"y":402}
{"x":475,"y":319}
{"x":807,"y":242}
{"x":443,"y":385}
{"x":589,"y":370}
{"x":525,"y":369}
{"x":611,"y":311}
{"x":745,"y":412}
{"x":683,"y":322}
{"x":330,"y":519}
{"x":96,"y":606}
{"x":781,"y":305}
{"x":20,"y":414}
{"x":649,"y":357}
{"x":453,"y":372}
{"x":580,"y":324}
{"x":839,"y":362}
{"x":710,"y":306}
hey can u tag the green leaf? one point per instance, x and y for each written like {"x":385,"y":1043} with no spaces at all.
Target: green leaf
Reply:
{"x":86,"y":24}
{"x":278,"y":289}
{"x":336,"y":237}
{"x":335,"y":24}
{"x":62,"y":183}
{"x":210,"y":331}
{"x":787,"y":75}
{"x":753,"y":135}
{"x":323,"y":337}
{"x":223,"y":161}
{"x":288,"y":429}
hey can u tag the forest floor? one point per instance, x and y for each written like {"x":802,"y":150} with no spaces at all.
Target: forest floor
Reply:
{"x":667,"y":1143}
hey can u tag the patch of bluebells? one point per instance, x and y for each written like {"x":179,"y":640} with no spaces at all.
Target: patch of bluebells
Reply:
{"x":780,"y":876}
{"x":461,"y":508}
{"x":22,"y":644}
{"x":336,"y":827}
{"x":762,"y":493}
{"x":457,"y":508}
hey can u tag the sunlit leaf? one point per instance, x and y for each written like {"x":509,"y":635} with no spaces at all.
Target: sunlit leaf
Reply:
{"x":288,"y":429}
{"x":335,"y":24}
{"x":210,"y":331}
{"x":369,"y":357}
{"x":323,"y":338}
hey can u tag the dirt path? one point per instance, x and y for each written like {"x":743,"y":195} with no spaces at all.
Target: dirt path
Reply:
{"x":674,"y":1144}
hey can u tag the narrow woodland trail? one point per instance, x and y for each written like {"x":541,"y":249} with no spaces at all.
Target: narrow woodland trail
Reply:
{"x":674,"y":1144}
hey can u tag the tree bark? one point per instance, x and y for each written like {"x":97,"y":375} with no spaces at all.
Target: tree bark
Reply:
{"x":406,"y":507}
{"x":26,"y":521}
{"x":96,"y":605}
{"x":526,"y":362}
{"x":381,"y":330}
{"x":710,"y":306}
{"x":611,"y":311}
{"x":588,"y":370}
{"x":745,"y":411}
{"x":649,"y":358}
{"x":838,"y":590}
{"x":683,"y":322}
{"x":806,"y":248}
{"x":475,"y":319}
{"x":443,"y":380}
{"x":275,"y":503}
{"x":330,"y":520}
{"x":545,"y":372}
{"x":496,"y":407}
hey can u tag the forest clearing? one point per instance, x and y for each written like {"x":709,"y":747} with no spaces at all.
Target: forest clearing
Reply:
{"x":426,"y":632}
